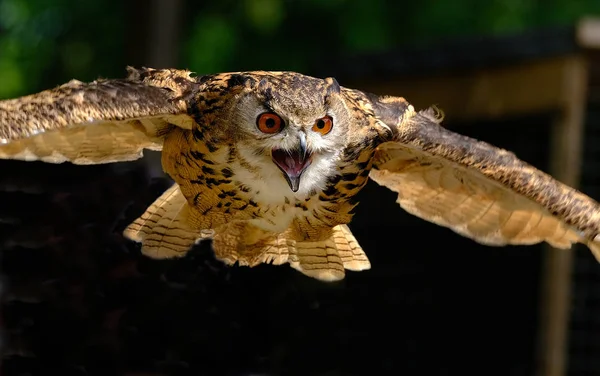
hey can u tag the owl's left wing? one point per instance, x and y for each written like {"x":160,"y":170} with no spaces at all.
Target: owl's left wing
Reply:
{"x":477,"y":190}
{"x":99,"y":122}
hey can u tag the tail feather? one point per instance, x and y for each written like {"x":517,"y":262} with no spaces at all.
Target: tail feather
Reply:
{"x":351,"y":253}
{"x":319,"y":260}
{"x":249,"y":246}
{"x":164,"y":229}
{"x":327,"y":259}
{"x":277,"y":251}
{"x":324,"y":260}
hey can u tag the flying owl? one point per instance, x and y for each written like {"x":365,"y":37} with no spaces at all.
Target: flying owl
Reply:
{"x":268,"y":165}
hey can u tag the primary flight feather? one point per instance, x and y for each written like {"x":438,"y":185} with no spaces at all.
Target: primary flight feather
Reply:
{"x":267,"y":165}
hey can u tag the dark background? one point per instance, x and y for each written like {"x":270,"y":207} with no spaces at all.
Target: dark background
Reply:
{"x":81,"y":300}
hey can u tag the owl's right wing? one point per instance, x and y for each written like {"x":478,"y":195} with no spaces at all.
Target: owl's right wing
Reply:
{"x":99,"y":122}
{"x":476,"y":189}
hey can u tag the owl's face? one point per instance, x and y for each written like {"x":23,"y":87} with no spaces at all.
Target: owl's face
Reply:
{"x":289,"y":132}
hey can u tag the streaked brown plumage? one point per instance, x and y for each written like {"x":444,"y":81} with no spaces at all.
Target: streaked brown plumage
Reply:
{"x":284,"y":192}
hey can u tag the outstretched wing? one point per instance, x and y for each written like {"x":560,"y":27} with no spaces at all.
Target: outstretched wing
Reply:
{"x":479,"y":191}
{"x":99,"y":122}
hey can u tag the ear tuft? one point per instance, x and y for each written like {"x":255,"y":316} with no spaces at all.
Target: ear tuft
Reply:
{"x":333,"y":87}
{"x":434,"y":114}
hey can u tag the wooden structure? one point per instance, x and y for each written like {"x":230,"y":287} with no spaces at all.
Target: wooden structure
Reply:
{"x":483,"y":79}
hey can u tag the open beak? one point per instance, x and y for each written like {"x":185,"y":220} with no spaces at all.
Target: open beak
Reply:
{"x":293,"y":162}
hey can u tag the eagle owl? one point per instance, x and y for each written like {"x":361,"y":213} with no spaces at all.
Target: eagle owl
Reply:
{"x":267,"y":165}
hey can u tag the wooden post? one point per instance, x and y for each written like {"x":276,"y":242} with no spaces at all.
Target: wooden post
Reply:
{"x":565,"y":165}
{"x":165,"y":31}
{"x":516,"y":89}
{"x":162,"y":34}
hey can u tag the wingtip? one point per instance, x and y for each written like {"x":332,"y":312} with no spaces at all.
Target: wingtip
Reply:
{"x":594,"y":246}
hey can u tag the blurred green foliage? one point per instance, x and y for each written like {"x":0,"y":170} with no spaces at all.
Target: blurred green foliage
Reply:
{"x":47,"y":42}
{"x":42,"y":39}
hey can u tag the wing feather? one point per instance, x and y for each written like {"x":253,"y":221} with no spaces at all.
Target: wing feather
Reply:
{"x":478,"y":190}
{"x":99,"y":122}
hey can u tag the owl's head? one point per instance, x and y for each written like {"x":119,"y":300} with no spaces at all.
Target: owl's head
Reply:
{"x":287,"y":127}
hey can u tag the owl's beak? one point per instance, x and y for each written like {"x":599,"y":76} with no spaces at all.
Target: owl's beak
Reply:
{"x":293,"y":162}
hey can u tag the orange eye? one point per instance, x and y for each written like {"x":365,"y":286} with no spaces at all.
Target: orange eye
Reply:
{"x":269,"y":122}
{"x":323,"y":125}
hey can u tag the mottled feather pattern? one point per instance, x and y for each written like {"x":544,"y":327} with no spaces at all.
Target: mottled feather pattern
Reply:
{"x":229,"y":188}
{"x":572,"y":206}
{"x":549,"y":210}
{"x":164,"y":228}
{"x":100,"y":122}
{"x":143,"y":95}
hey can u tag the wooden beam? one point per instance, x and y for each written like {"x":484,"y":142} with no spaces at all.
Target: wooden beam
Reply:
{"x":164,"y":33}
{"x":530,"y":87}
{"x":565,"y":165}
{"x":163,"y":29}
